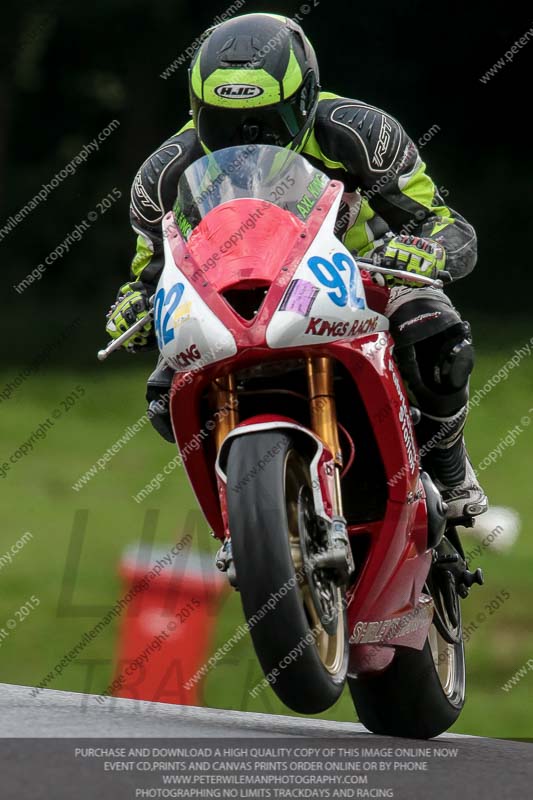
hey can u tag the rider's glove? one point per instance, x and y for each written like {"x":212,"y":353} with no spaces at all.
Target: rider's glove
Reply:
{"x":132,"y":304}
{"x":413,"y":254}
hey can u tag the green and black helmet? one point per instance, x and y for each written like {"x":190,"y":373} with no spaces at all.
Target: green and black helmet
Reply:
{"x":254,"y":80}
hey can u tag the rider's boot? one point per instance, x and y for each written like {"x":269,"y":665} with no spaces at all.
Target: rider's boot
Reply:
{"x":444,"y":456}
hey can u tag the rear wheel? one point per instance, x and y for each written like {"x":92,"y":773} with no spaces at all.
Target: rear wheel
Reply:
{"x":296,"y":616}
{"x":422,"y":692}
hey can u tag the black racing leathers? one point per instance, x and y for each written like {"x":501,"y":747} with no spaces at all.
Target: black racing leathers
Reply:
{"x":387,"y":189}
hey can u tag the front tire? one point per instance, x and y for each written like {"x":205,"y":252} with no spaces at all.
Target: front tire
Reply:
{"x":297,"y":622}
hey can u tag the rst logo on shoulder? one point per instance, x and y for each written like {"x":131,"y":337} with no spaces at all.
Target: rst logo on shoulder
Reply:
{"x":238,"y":91}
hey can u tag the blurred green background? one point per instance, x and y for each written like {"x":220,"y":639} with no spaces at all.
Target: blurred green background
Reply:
{"x":67,"y":72}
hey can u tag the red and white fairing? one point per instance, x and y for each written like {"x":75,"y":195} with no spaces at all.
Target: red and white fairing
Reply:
{"x":297,"y":321}
{"x":200,"y":338}
{"x":305,"y":314}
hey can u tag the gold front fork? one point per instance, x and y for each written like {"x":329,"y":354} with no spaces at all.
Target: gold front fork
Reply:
{"x":224,"y":401}
{"x":322,"y":404}
{"x":324,"y":414}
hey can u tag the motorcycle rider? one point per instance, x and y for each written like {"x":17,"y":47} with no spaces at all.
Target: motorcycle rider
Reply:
{"x":391,"y":208}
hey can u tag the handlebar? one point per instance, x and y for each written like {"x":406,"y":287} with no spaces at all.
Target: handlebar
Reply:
{"x":437,"y":283}
{"x":368,"y":263}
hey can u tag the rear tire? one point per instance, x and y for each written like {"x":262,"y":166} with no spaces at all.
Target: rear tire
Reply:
{"x":268,"y":509}
{"x":421,"y":693}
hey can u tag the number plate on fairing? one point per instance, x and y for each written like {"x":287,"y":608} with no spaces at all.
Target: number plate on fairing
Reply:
{"x":189,"y":334}
{"x":326,"y":298}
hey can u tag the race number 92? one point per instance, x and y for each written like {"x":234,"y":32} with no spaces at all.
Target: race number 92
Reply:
{"x":330,"y":274}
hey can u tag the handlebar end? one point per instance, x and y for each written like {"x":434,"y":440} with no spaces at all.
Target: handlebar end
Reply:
{"x":102,"y":355}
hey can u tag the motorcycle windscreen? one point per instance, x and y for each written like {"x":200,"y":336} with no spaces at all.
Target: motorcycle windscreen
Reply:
{"x":261,"y":172}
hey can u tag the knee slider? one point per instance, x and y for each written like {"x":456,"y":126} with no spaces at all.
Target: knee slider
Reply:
{"x":455,"y":361}
{"x":436,"y":372}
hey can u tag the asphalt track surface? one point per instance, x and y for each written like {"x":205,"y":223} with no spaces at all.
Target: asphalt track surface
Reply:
{"x":36,"y":731}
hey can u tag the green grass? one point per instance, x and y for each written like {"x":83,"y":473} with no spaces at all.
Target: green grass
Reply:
{"x":39,"y":498}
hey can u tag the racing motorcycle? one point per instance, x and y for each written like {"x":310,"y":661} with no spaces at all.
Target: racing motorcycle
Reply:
{"x":307,"y":467}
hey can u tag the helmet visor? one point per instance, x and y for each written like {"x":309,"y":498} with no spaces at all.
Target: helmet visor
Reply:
{"x":277,"y":124}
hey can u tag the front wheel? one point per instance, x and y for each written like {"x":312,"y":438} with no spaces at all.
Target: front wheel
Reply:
{"x":296,"y":617}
